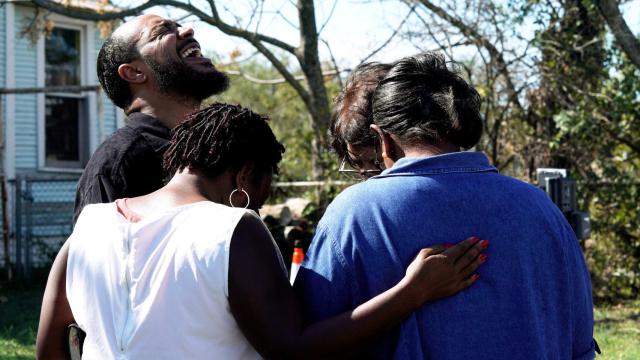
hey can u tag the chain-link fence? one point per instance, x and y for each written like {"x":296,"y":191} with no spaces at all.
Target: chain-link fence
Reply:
{"x":42,"y":219}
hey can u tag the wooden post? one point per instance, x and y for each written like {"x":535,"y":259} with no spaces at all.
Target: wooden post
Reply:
{"x":5,"y":215}
{"x":5,"y":229}
{"x":18,"y":228}
{"x":29,"y":226}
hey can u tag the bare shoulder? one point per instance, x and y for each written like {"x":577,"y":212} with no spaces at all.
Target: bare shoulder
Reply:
{"x":251,"y":230}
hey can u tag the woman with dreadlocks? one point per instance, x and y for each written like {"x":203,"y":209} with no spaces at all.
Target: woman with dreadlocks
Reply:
{"x":190,"y":271}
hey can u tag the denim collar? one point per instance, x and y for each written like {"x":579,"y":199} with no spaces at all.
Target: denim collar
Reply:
{"x":458,"y":162}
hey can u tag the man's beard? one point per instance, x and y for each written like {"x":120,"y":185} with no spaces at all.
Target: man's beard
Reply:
{"x":179,"y":79}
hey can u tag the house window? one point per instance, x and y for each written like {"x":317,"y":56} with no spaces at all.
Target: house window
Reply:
{"x":66,"y":113}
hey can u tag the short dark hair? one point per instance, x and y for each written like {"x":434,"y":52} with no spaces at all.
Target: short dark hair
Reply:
{"x":114,"y":52}
{"x":422,"y":101}
{"x":221,"y":137}
{"x":352,"y":115}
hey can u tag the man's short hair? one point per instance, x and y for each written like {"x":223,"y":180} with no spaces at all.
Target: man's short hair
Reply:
{"x":114,"y":52}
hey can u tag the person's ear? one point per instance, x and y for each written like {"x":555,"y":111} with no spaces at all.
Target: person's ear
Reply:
{"x":131,"y":74}
{"x":387,"y":146}
{"x":244,"y":175}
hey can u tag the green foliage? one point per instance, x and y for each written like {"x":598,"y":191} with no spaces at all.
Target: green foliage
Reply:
{"x":584,"y":116}
{"x":290,"y":120}
{"x":580,"y":111}
{"x":605,"y":126}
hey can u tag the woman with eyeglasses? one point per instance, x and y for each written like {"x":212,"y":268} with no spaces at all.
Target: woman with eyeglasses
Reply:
{"x":534,"y":301}
{"x":191,"y":272}
{"x":351,"y":136}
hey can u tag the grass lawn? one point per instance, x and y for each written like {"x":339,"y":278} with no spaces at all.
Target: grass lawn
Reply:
{"x":19,"y":313}
{"x":617,"y":327}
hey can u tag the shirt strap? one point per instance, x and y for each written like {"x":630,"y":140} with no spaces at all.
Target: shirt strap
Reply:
{"x":124,"y":209}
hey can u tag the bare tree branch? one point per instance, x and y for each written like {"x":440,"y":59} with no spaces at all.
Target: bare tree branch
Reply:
{"x":474,"y":35}
{"x":214,"y":19}
{"x":326,"y":21}
{"x":393,"y":35}
{"x":282,"y":69}
{"x":334,"y":62}
{"x":307,"y":54}
{"x":313,"y":93}
{"x":91,"y":14}
{"x":274,"y":81}
{"x":627,"y":40}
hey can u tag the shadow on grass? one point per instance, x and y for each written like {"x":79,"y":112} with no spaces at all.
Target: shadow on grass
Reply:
{"x":618,"y":319}
{"x":19,"y":314}
{"x":16,"y":357}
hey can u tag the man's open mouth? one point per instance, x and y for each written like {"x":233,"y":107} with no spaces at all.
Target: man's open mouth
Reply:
{"x":191,"y":51}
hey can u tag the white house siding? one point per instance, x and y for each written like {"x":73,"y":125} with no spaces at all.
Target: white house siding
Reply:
{"x":26,"y":104}
{"x":26,"y":125}
{"x":3,"y":53}
{"x":3,"y":56}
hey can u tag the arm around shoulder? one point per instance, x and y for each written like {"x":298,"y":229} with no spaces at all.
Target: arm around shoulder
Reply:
{"x":55,"y":315}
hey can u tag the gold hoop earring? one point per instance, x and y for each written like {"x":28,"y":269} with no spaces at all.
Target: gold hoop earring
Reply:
{"x":245,"y":193}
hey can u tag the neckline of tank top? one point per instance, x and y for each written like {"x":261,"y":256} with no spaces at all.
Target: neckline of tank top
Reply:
{"x":162,"y":213}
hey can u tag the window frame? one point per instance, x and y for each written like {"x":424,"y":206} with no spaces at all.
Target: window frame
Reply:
{"x":87,"y":77}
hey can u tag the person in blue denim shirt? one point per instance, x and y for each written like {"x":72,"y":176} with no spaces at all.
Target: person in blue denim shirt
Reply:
{"x":534,"y":298}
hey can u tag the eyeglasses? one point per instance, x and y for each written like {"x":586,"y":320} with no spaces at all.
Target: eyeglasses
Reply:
{"x":355,"y":172}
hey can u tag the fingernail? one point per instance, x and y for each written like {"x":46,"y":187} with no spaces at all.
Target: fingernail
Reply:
{"x":484,"y":244}
{"x":482,"y":258}
{"x":447,"y":245}
{"x":474,"y":239}
{"x":475,"y":277}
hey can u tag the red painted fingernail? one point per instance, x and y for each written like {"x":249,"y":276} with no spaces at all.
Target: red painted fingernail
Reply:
{"x":447,"y":245}
{"x":482,"y":258}
{"x":484,"y":244}
{"x":475,"y":277}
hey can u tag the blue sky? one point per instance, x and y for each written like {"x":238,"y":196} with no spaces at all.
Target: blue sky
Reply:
{"x":354,"y":27}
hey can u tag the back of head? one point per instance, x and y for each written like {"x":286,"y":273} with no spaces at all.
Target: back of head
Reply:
{"x":116,"y":51}
{"x":422,"y":101}
{"x":221,"y":137}
{"x":352,"y":114}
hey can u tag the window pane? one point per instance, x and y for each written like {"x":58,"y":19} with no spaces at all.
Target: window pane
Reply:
{"x":62,"y":57}
{"x":63,"y":129}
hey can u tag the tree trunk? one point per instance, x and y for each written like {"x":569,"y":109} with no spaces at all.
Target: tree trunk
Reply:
{"x":307,"y":55}
{"x":627,"y":40}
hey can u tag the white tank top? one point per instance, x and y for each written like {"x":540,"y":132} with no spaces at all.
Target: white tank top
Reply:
{"x":156,"y":288}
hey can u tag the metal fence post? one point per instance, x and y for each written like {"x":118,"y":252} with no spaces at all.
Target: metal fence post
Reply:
{"x":18,"y":227}
{"x":29,"y":223}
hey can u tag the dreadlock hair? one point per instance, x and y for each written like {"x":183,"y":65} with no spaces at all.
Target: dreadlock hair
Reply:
{"x":221,"y":137}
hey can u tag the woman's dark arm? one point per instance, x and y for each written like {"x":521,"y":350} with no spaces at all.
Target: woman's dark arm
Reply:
{"x":267,"y":311}
{"x":55,"y":315}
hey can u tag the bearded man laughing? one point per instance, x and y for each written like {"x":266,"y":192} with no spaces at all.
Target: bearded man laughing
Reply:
{"x":152,"y":68}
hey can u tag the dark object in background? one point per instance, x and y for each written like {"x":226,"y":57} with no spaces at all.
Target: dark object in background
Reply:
{"x":76,"y":336}
{"x":297,"y":233}
{"x":561,"y":188}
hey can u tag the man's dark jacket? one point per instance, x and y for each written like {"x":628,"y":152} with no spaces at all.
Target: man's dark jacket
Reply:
{"x":127,"y":164}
